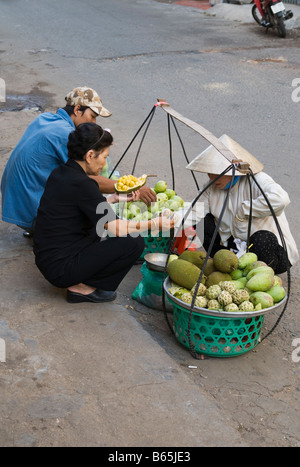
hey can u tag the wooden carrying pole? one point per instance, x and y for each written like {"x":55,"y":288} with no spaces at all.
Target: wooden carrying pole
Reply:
{"x":212,"y":139}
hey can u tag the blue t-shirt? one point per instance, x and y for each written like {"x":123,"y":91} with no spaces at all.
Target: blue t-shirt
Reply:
{"x":41,"y":149}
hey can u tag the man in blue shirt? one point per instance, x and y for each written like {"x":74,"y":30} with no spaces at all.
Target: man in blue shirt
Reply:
{"x":41,"y":149}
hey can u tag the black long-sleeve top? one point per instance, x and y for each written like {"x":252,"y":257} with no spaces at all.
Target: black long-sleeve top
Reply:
{"x":67,"y":217}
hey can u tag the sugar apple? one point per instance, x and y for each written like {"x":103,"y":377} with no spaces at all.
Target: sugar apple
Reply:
{"x":239,"y":296}
{"x":246,"y":306}
{"x":224,"y":298}
{"x":201,"y":290}
{"x":186,"y":297}
{"x":213,"y":304}
{"x":227,"y":285}
{"x":231,"y":307}
{"x":201,"y":301}
{"x":213,"y":291}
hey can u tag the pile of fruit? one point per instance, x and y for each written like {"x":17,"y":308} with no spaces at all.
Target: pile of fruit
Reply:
{"x":137,"y":210}
{"x":228,"y":283}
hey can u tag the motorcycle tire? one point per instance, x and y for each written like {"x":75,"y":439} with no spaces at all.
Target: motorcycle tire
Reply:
{"x":280,"y":26}
{"x":256,"y":14}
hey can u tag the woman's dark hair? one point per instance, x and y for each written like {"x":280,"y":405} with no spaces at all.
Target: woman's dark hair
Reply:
{"x":87,"y":136}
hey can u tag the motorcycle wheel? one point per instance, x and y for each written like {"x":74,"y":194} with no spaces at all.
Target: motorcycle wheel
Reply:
{"x":280,"y":26}
{"x":256,"y":14}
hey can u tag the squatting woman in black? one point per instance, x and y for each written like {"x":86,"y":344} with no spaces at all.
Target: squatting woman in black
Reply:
{"x":71,"y":246}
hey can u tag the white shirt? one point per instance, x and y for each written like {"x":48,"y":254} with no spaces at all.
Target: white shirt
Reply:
{"x":236,"y":215}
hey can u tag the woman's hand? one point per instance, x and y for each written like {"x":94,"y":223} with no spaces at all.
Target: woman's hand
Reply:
{"x":164,"y":222}
{"x":119,"y":198}
{"x":133,"y":196}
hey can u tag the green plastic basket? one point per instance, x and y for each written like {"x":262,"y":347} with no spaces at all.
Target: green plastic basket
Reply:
{"x":157,"y":244}
{"x":216,"y":336}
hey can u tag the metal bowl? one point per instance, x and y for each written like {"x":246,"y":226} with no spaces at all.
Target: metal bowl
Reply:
{"x":156,"y":261}
{"x":223,"y":314}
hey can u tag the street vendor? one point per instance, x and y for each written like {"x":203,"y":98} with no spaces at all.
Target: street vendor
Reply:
{"x":265,"y":240}
{"x":42,"y":148}
{"x":79,"y":242}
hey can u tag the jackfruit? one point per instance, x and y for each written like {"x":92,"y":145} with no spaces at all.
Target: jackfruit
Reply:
{"x":195,"y":257}
{"x":183,"y":273}
{"x":129,"y":183}
{"x":216,"y":277}
{"x":225,"y":261}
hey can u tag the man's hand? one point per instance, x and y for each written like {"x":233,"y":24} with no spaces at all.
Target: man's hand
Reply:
{"x":147,"y":195}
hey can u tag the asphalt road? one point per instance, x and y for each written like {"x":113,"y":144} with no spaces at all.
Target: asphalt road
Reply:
{"x":230,"y":77}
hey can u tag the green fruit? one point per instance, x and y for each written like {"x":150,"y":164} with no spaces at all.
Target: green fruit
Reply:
{"x":201,"y":302}
{"x":161,"y":198}
{"x":216,"y":277}
{"x":173,"y":205}
{"x":247,"y":259}
{"x":227,"y":285}
{"x":213,"y":304}
{"x":243,"y":280}
{"x":231,"y":307}
{"x":255,"y":271}
{"x":170,"y":192}
{"x":171,"y":258}
{"x":262,"y":281}
{"x":238,"y":284}
{"x":177,"y":291}
{"x":251,"y":266}
{"x":183,"y":273}
{"x":246,"y":305}
{"x":224,"y":298}
{"x":236,"y":274}
{"x":178,"y":199}
{"x":225,"y":261}
{"x":213,"y":292}
{"x":277,"y":292}
{"x":201,"y":289}
{"x":134,"y":209}
{"x":209,"y":267}
{"x":277,"y":280}
{"x":195,"y":257}
{"x":153,"y":207}
{"x":239,"y":296}
{"x":160,"y":186}
{"x":263,"y":298}
{"x":187,"y":297}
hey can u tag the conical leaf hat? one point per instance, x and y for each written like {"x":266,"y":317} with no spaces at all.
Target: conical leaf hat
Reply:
{"x":213,"y":162}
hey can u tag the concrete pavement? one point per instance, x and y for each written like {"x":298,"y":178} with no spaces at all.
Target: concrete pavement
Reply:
{"x":89,"y":374}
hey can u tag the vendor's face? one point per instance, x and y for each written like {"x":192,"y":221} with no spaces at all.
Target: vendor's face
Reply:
{"x":84,"y":117}
{"x":222,"y":181}
{"x":97,"y":161}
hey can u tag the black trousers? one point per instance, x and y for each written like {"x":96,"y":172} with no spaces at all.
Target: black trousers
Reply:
{"x":102,"y":264}
{"x":264,"y":244}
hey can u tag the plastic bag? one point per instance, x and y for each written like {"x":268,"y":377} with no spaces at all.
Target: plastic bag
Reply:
{"x":149,"y":290}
